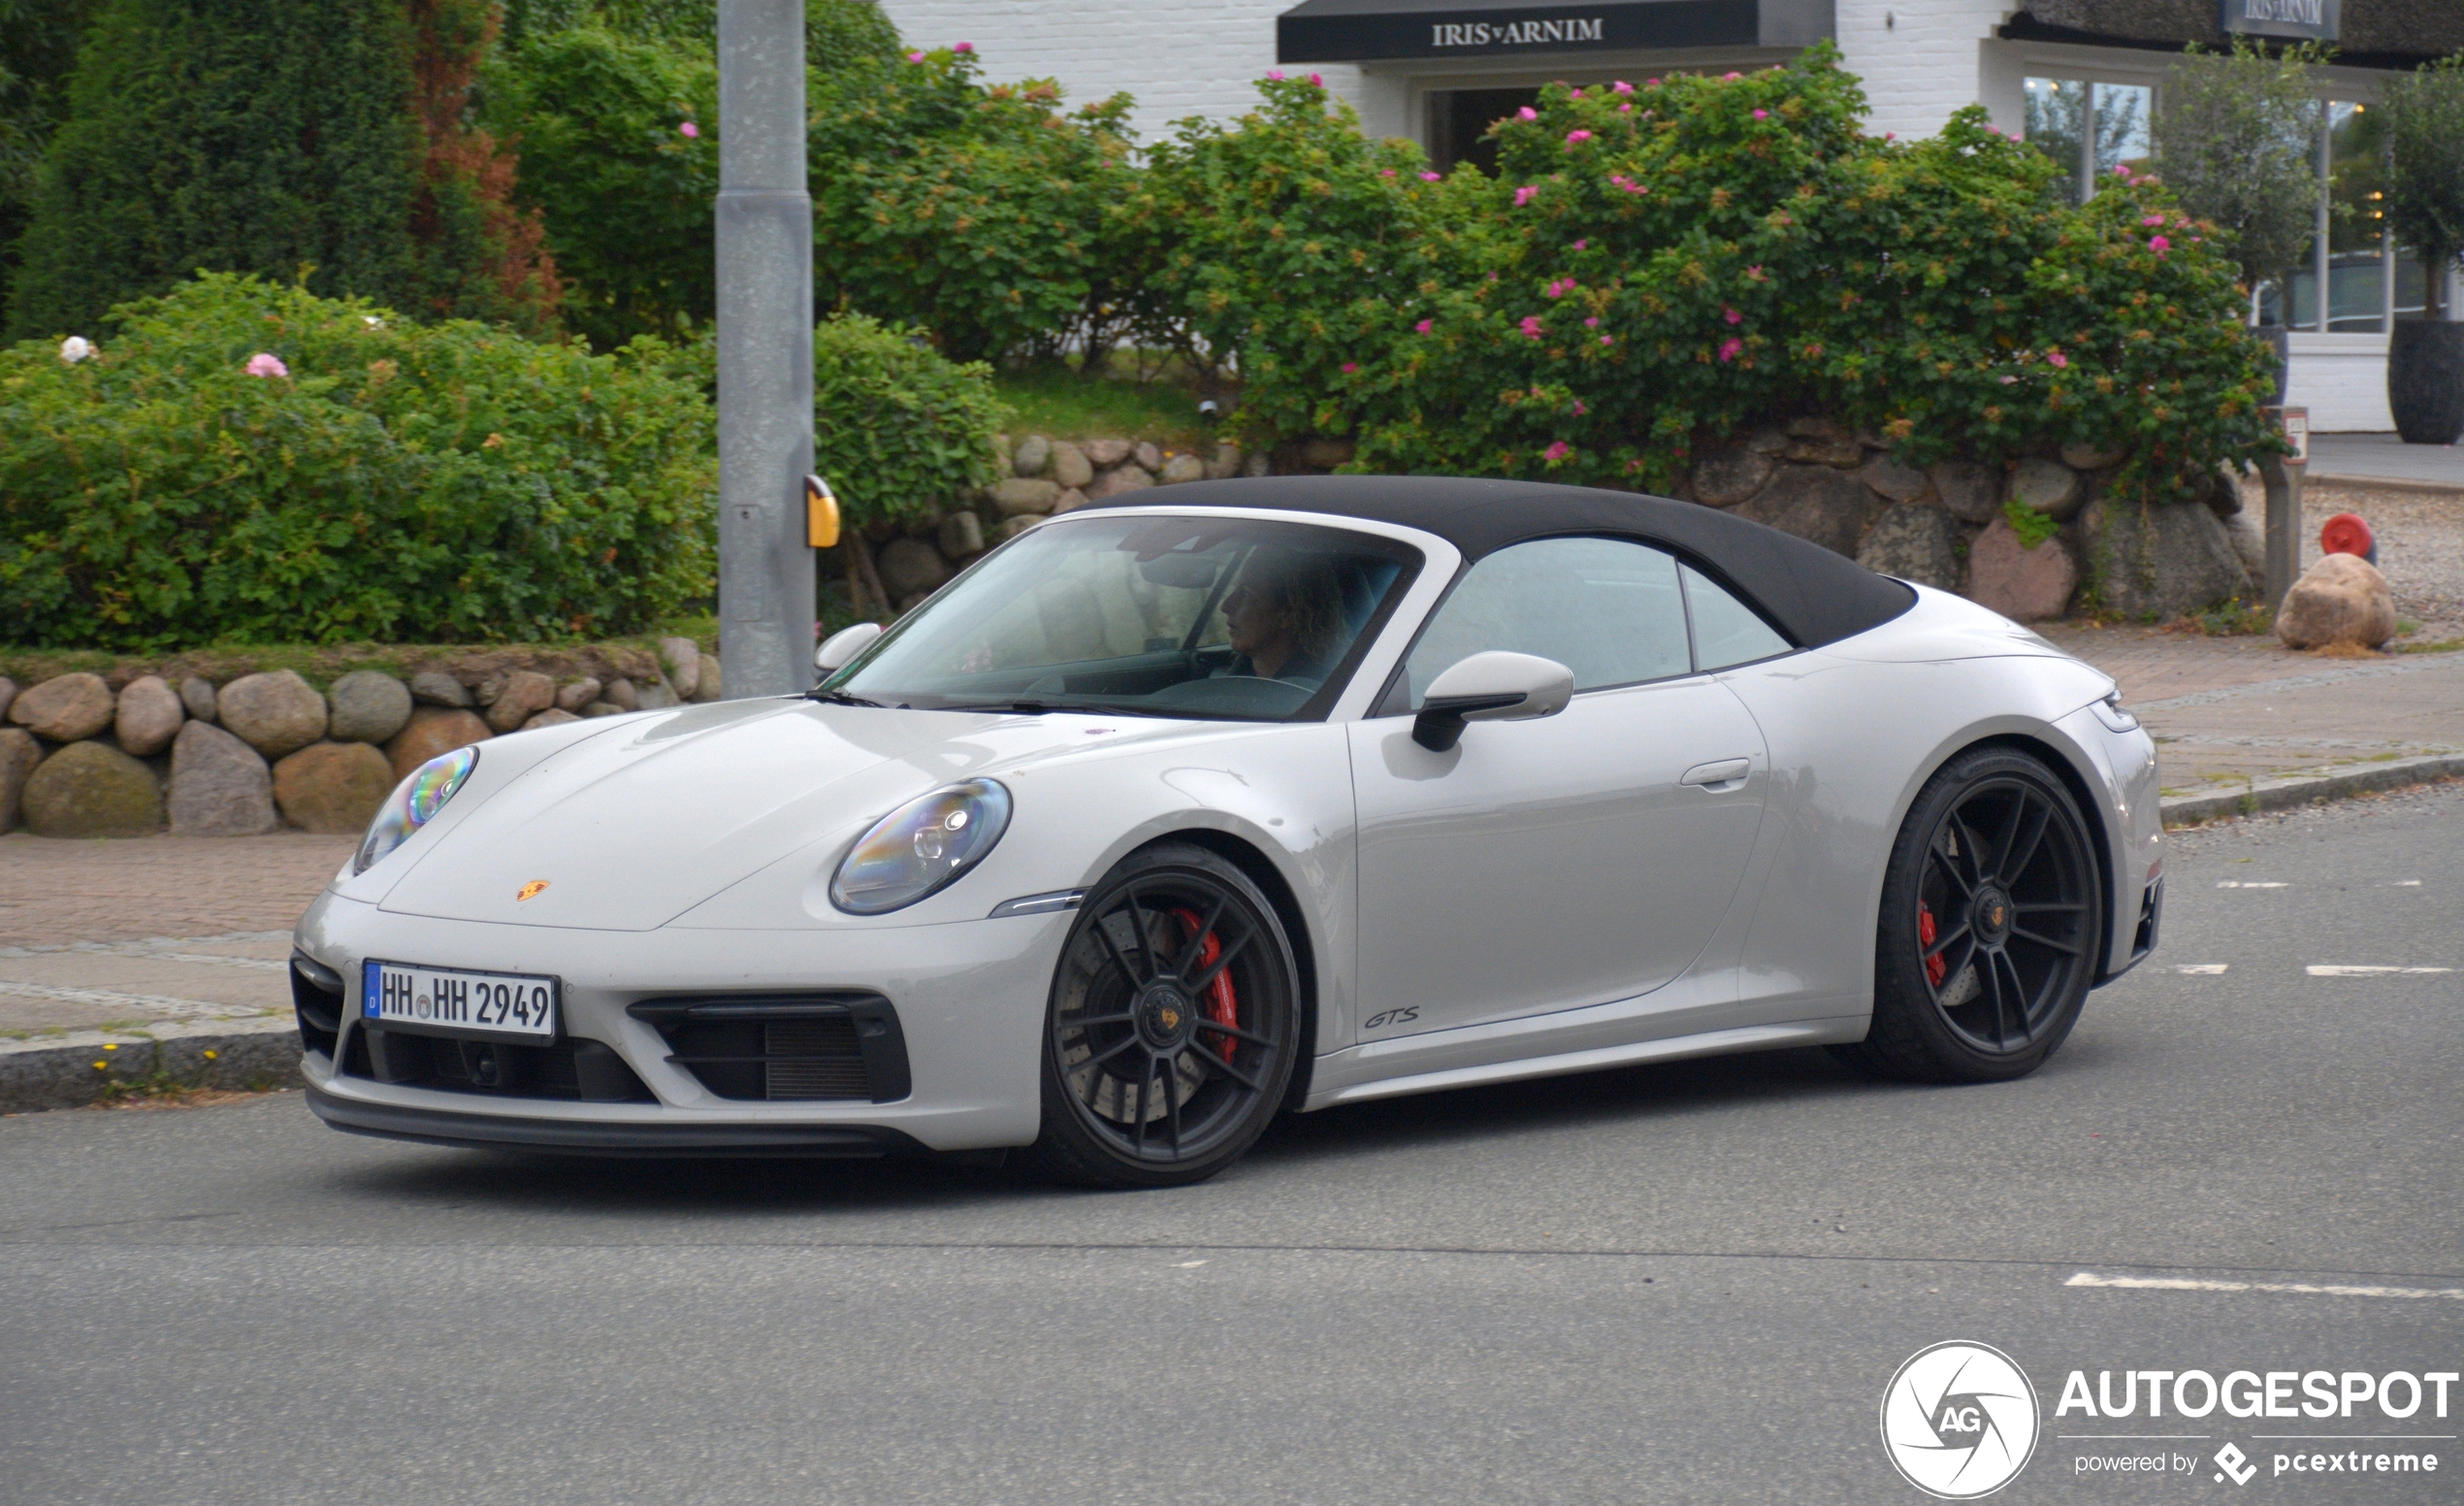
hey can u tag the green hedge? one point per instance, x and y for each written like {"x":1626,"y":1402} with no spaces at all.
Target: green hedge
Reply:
{"x":898,"y":430}
{"x":403,"y":482}
{"x":1662,"y":262}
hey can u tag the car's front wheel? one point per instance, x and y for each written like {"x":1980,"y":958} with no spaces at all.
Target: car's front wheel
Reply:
{"x":1173,"y":1024}
{"x":1991,"y":925}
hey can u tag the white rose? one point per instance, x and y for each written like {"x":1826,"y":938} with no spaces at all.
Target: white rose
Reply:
{"x":76,"y":348}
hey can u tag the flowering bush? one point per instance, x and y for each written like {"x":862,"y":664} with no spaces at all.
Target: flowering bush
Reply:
{"x":246,"y":462}
{"x":1668,"y":261}
{"x":982,"y":213}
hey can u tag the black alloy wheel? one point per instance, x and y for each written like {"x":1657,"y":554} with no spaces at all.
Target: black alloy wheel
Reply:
{"x":1991,"y":926}
{"x":1173,"y":1026}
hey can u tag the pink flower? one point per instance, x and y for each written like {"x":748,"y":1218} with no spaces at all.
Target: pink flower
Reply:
{"x":2119,"y":171}
{"x":1622,"y":87}
{"x":1525,"y":195}
{"x":2159,"y":245}
{"x":1578,"y":94}
{"x":1423,"y":326}
{"x":1275,"y":75}
{"x":1579,"y":409}
{"x":1584,"y":245}
{"x":262,"y":364}
{"x":2057,"y":358}
{"x":1532,"y":325}
{"x":915,"y":57}
{"x":1389,"y":172}
{"x":1350,"y":367}
{"x":1762,"y":114}
{"x":1592,"y":323}
{"x":2152,"y":221}
{"x":688,"y":131}
{"x":1654,"y":83}
{"x":1625,"y":110}
{"x":2007,"y":380}
{"x":1556,"y":452}
{"x":1731,"y":315}
{"x":1527,"y":113}
{"x":1317,"y":80}
{"x":963,"y":46}
{"x":1429,"y":178}
{"x":1731,"y":78}
{"x":1607,"y":339}
{"x":1754,"y":274}
{"x":1573,"y":137}
{"x":1730,"y":350}
{"x":1561,"y":287}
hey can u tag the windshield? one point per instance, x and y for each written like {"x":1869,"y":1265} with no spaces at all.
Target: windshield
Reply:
{"x":1158,"y":616}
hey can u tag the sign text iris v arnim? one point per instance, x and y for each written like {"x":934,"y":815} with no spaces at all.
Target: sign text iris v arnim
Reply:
{"x":1515,"y":33}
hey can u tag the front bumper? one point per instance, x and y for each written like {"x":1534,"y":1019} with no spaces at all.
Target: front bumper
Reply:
{"x":970,"y":1000}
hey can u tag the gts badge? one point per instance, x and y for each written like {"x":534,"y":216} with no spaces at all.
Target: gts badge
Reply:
{"x":1379,"y":1022}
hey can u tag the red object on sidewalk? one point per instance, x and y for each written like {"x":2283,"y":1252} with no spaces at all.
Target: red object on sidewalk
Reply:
{"x":2348,"y":534}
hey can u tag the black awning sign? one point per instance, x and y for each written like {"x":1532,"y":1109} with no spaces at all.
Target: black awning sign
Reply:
{"x":1349,"y":31}
{"x":2312,"y":20}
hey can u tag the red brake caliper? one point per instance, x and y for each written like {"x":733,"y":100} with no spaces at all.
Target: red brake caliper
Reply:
{"x":1223,"y":1005}
{"x":1934,"y":966}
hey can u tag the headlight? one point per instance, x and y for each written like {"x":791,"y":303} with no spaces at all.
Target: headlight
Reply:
{"x":413,"y":804}
{"x":921,"y":848}
{"x":2109,"y":712}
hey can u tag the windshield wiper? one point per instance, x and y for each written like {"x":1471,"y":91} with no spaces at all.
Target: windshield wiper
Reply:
{"x":842,"y":697}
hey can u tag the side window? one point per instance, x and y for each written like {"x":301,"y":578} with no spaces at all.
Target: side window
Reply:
{"x":1608,"y":610}
{"x":1726,"y":631}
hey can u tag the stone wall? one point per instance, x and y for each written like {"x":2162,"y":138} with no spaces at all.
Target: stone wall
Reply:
{"x":1952,"y":525}
{"x":134,"y":751}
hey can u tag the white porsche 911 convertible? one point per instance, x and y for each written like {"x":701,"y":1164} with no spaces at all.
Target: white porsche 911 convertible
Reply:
{"x":1166,"y":817}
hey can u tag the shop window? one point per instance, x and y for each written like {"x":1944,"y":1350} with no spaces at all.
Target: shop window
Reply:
{"x":2057,"y":125}
{"x":2089,"y":128}
{"x":1458,"y":119}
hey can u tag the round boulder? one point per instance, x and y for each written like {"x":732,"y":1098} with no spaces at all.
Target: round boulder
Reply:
{"x":7,"y":693}
{"x":18,"y":754}
{"x":435,"y":687}
{"x":1128,"y":477}
{"x":2342,"y":600}
{"x":959,"y":535}
{"x":195,"y":694}
{"x":1070,"y":466}
{"x":2050,"y":487}
{"x":92,"y":788}
{"x":1034,"y":453}
{"x":2159,"y":561}
{"x":220,"y":787}
{"x":148,"y":717}
{"x":65,"y":708}
{"x":551,"y":717}
{"x":681,"y":658}
{"x":1018,"y":495}
{"x":368,"y":706}
{"x":430,"y":730}
{"x":332,"y":788}
{"x":908,"y":566}
{"x":1106,"y":452}
{"x":1913,"y":542}
{"x":525,"y":694}
{"x":1181,"y":467}
{"x":1726,"y":477}
{"x":1818,"y":503}
{"x":1969,"y":490}
{"x":2023,"y":584}
{"x":277,"y":713}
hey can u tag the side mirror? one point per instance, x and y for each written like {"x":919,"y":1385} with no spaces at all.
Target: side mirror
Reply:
{"x":1491,"y":687}
{"x":843,"y":645}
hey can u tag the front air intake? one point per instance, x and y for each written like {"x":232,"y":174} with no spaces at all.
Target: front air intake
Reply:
{"x":804,"y":1047}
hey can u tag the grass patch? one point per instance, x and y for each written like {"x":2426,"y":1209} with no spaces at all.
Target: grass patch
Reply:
{"x":1061,"y":404}
{"x":2444,"y":646}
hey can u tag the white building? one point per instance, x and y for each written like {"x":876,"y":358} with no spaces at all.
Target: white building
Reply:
{"x":1440,"y":71}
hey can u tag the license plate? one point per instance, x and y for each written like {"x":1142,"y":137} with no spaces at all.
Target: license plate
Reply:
{"x":454,"y":1001}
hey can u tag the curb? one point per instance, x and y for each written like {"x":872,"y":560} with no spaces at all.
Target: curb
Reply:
{"x":71,"y":1072}
{"x":2181,"y":810}
{"x":2386,"y":483}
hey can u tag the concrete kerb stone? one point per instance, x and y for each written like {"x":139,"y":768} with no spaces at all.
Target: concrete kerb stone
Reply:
{"x":2184,"y":810}
{"x":59,"y":1071}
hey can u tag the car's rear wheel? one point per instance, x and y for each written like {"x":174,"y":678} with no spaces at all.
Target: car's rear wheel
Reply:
{"x":1173,"y":1024}
{"x":1991,"y":925}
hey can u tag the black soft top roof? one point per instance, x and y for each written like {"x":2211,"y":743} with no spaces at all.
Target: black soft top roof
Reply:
{"x":1814,"y":596}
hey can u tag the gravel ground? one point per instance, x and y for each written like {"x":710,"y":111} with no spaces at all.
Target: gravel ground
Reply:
{"x":2420,"y":550}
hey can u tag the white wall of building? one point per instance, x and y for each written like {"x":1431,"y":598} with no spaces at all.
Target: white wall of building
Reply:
{"x":1921,"y":59}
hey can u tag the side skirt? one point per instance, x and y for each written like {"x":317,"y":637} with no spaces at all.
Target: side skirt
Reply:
{"x":1830,"y":1030}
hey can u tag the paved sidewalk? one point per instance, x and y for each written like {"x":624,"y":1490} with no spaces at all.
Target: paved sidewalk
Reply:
{"x":2385,"y":457}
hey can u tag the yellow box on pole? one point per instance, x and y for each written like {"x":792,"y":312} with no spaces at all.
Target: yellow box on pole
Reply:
{"x":820,"y":514}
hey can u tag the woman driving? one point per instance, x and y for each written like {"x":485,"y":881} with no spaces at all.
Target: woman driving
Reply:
{"x":1285,"y":617}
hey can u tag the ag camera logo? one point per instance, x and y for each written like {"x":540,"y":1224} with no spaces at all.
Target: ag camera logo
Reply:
{"x":1960,"y":1420}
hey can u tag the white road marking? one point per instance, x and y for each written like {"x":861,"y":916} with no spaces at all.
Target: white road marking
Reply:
{"x":1188,"y":1266}
{"x":2362,"y":970}
{"x":2203,"y":970}
{"x":2403,"y":883}
{"x":2299,"y":1288}
{"x":149,"y":1004}
{"x":2235,"y":883}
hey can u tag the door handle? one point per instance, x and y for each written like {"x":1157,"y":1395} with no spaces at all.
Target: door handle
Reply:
{"x":1727,"y":770}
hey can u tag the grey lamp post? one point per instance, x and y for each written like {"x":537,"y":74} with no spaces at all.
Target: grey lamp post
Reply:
{"x":765,"y":350}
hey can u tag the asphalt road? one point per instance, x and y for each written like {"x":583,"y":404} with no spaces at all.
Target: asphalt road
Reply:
{"x":1688,"y":1283}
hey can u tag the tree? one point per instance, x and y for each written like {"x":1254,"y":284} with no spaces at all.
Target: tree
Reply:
{"x":2425,"y":144}
{"x":38,"y":44}
{"x":315,"y":139}
{"x":2238,"y":144}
